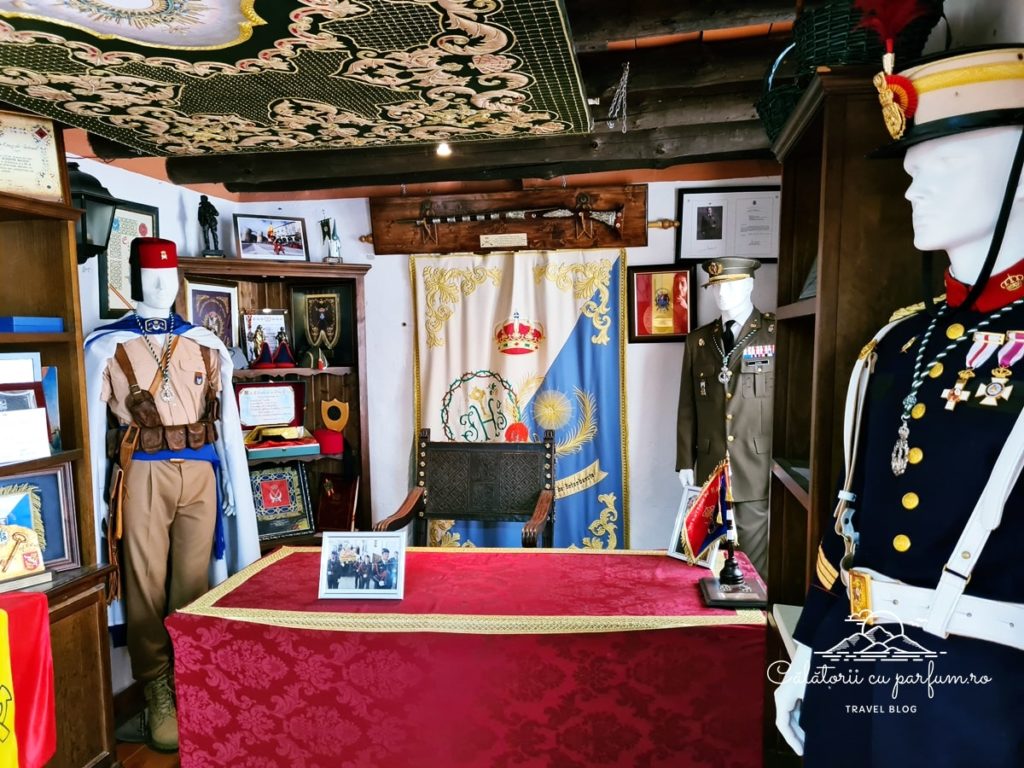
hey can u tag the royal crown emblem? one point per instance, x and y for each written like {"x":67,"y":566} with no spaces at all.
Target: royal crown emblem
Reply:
{"x":1012,"y":283}
{"x":518,"y":336}
{"x":715,"y":268}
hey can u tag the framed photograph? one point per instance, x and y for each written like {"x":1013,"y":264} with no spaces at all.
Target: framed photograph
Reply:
{"x":677,"y":545}
{"x":19,"y":366}
{"x":362,"y":565}
{"x":660,"y":302}
{"x":323,"y":317}
{"x":131,"y":220}
{"x":281,"y":496}
{"x":214,"y":306}
{"x":728,"y":221}
{"x":37,"y":171}
{"x":271,"y":237}
{"x":49,"y":497}
{"x":263,"y":326}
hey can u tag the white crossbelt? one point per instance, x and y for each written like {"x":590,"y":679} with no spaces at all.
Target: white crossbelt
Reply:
{"x":894,"y":602}
{"x":944,"y":610}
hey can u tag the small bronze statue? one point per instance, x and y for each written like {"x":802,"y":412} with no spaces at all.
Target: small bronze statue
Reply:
{"x":208,"y":223}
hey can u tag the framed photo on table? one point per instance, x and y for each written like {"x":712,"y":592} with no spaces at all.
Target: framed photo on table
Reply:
{"x":660,"y":302}
{"x":48,"y":498}
{"x":728,"y":221}
{"x":362,"y":565}
{"x":215,"y":307}
{"x":131,"y":220}
{"x":271,"y":237}
{"x":280,"y":494}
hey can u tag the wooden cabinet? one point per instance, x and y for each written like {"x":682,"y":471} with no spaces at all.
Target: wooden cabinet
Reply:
{"x":271,"y":284}
{"x":845,"y":216}
{"x":40,"y":277}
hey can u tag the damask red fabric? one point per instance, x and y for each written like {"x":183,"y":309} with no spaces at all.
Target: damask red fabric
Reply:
{"x":254,"y":696}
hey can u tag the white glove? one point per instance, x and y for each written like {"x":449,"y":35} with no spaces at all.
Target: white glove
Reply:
{"x":686,"y":476}
{"x":789,"y":697}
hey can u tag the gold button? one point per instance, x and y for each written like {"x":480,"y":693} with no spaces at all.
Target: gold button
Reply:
{"x":910,"y":500}
{"x":728,"y":417}
{"x":936,"y":370}
{"x":730,"y":438}
{"x":915,"y":455}
{"x":918,"y":411}
{"x":728,"y":395}
{"x":901,"y":543}
{"x":955,"y":331}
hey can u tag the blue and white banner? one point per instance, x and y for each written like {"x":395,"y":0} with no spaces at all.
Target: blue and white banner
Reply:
{"x":510,"y":345}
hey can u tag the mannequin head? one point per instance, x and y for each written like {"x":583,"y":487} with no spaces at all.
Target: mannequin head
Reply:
{"x":957,"y":188}
{"x":159,"y":290}
{"x":732,"y":297}
{"x":154,"y":275}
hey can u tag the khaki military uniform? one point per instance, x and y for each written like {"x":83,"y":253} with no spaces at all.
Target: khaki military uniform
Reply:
{"x":736,"y":417}
{"x":169,"y":508}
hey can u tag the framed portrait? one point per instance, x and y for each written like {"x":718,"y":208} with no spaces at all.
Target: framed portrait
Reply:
{"x":214,"y":306}
{"x":46,"y":496}
{"x":131,"y":220}
{"x":323,"y":317}
{"x":33,"y":141}
{"x":677,"y":545}
{"x":362,"y":565}
{"x":728,"y":221}
{"x":281,"y":496}
{"x":660,"y":302}
{"x":271,"y":237}
{"x":263,"y":325}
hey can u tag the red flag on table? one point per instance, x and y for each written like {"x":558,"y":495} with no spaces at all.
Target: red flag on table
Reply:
{"x":702,"y":525}
{"x":28,"y":726}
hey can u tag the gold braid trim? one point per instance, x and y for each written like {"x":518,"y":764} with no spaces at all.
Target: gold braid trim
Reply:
{"x":452,"y":623}
{"x":985,"y":73}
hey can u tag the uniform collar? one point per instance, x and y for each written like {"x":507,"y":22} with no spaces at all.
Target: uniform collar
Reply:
{"x":1000,"y":290}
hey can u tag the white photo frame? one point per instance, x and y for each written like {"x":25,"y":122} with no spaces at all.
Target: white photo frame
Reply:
{"x":369,"y":565}
{"x":719,"y":222}
{"x":675,"y":545}
{"x":214,"y":306}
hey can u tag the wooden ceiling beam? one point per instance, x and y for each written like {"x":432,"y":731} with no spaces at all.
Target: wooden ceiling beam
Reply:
{"x":595,"y":23}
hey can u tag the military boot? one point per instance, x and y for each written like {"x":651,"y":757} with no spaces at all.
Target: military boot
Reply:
{"x":163,"y":717}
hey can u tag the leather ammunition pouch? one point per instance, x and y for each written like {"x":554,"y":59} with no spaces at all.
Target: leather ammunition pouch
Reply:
{"x":142,"y":407}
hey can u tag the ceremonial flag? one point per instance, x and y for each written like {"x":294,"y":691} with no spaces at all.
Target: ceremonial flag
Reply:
{"x":704,"y":523}
{"x":28,"y":726}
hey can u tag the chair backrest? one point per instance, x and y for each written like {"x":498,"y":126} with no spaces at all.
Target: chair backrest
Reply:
{"x":484,"y":481}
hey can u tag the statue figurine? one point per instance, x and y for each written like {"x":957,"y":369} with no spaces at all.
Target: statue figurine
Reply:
{"x":208,"y":224}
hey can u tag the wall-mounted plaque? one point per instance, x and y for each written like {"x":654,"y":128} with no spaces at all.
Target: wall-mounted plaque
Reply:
{"x":29,"y":164}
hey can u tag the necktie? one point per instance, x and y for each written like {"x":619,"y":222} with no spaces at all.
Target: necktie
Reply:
{"x":728,"y":337}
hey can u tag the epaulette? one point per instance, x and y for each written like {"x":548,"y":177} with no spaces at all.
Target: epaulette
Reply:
{"x":913,"y":309}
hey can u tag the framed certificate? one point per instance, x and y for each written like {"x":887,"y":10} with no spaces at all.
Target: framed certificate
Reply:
{"x":131,"y":220}
{"x":29,"y":163}
{"x":728,"y":221}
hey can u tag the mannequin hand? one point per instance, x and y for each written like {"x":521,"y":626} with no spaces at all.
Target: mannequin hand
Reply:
{"x":789,"y":698}
{"x":228,"y":496}
{"x":686,"y":477}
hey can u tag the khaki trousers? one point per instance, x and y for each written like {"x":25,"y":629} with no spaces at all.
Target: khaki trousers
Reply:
{"x":752,"y":529}
{"x":169,"y":514}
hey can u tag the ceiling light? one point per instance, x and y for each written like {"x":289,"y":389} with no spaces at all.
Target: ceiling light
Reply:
{"x":443,"y":149}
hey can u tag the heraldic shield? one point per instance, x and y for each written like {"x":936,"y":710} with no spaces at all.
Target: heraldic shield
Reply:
{"x":334,"y":414}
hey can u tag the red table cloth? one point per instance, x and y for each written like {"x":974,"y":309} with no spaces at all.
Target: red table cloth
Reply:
{"x":493,"y":658}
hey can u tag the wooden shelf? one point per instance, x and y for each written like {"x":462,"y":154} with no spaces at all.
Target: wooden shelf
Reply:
{"x":19,"y":208}
{"x":258,"y":373}
{"x":266,"y":269}
{"x":795,"y":482}
{"x":804,"y":308}
{"x":36,"y":338}
{"x":46,"y":462}
{"x":307,"y":458}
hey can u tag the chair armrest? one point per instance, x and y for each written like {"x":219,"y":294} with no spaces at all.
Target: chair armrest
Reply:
{"x":412,"y":504}
{"x":535,"y":525}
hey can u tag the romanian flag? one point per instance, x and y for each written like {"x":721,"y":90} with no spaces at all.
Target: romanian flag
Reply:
{"x":28,"y":726}
{"x":704,"y":523}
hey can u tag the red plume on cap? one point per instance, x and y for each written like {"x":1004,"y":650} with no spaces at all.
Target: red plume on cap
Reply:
{"x":889,"y":17}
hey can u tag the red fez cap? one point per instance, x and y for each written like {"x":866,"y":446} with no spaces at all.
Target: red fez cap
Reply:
{"x":154,"y":253}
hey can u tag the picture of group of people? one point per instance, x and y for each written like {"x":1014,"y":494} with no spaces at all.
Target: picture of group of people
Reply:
{"x":361,"y":564}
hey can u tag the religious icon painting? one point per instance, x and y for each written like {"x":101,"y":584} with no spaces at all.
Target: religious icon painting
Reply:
{"x":280,"y":494}
{"x":214,"y":307}
{"x":660,"y":303}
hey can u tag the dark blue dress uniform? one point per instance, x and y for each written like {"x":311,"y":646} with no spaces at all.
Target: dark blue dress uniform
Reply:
{"x":961,"y":704}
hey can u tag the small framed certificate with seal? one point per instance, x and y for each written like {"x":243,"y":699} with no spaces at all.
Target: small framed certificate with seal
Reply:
{"x":29,"y":163}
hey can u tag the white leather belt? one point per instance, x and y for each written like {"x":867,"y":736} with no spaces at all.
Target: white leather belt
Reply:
{"x":882,"y":600}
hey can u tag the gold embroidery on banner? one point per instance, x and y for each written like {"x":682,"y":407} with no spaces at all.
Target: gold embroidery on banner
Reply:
{"x":604,"y":525}
{"x":584,"y":280}
{"x":439,"y":534}
{"x":1012,"y":283}
{"x":585,"y":429}
{"x":580,"y":481}
{"x":444,"y":286}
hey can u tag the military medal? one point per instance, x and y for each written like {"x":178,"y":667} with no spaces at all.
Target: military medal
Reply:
{"x":725,"y":375}
{"x":985,"y":345}
{"x":998,"y":388}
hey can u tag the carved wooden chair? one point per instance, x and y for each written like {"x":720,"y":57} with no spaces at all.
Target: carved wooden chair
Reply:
{"x":481,"y":481}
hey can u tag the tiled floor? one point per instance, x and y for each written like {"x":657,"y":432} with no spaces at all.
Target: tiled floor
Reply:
{"x":141,"y":756}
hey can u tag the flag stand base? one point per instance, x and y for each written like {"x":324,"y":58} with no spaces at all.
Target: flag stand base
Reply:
{"x":731,"y":590}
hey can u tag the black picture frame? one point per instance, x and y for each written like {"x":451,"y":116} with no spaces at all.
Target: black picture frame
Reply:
{"x":711,"y":223}
{"x":281,"y":498}
{"x":640,"y":286}
{"x":131,"y":220}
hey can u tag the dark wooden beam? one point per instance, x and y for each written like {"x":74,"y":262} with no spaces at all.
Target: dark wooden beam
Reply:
{"x":595,"y":23}
{"x":536,"y":159}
